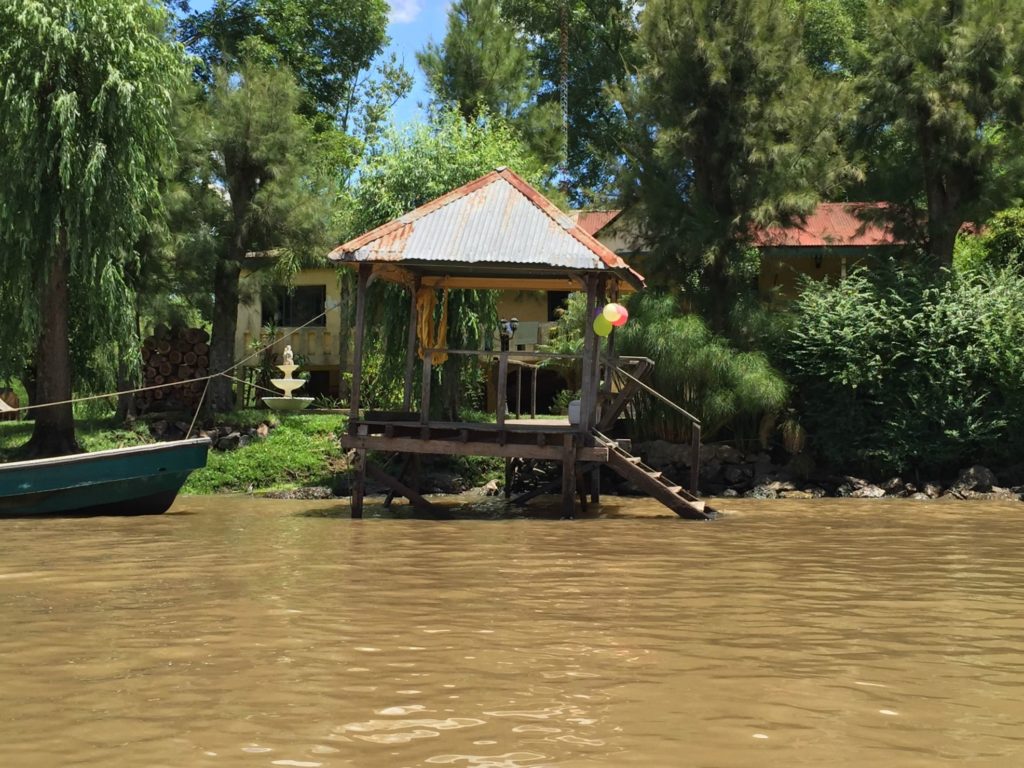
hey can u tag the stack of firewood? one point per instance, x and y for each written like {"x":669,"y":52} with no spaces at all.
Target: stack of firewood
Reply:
{"x":172,"y":356}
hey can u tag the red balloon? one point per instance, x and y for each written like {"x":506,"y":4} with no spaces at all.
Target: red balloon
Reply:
{"x":623,"y":316}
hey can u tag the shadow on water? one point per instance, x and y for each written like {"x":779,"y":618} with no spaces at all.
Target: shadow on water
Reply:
{"x":496,"y":508}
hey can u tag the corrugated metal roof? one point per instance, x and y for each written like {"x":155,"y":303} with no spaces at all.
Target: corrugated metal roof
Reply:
{"x":496,"y":219}
{"x":834,"y":225}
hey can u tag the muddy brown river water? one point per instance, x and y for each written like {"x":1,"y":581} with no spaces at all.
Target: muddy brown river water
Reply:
{"x":234,"y":632}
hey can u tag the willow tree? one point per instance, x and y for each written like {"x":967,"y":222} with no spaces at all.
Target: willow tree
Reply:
{"x":591,"y":47}
{"x":83,"y":130}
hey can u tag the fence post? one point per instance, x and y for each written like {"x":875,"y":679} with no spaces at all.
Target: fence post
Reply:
{"x":502,"y":394}
{"x":428,"y":356}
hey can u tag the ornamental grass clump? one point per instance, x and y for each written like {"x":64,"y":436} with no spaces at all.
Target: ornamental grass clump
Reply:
{"x":728,"y":390}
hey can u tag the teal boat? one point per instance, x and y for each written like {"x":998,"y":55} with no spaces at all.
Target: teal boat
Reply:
{"x":124,"y":481}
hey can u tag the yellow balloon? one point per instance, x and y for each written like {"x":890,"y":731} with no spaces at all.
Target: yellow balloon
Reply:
{"x":610,"y":312}
{"x":602,"y":327}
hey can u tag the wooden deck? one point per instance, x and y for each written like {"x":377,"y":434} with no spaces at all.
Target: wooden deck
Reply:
{"x":556,"y":440}
{"x":521,"y":438}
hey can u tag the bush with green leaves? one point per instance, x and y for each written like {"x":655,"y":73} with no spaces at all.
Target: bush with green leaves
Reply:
{"x":896,"y":372}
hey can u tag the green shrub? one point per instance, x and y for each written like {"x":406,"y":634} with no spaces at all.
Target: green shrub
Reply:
{"x":898,"y":372}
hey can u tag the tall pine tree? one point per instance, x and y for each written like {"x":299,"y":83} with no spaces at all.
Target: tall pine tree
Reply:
{"x":484,"y":65}
{"x":943,"y":106}
{"x":732,"y":129}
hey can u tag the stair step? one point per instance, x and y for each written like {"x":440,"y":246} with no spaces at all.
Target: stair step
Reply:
{"x":675,"y":489}
{"x":655,"y":474}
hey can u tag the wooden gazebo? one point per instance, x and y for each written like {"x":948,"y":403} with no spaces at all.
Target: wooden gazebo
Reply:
{"x":498,"y":233}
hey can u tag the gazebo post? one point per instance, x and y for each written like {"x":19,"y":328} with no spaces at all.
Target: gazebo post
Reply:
{"x":359,"y":481}
{"x":587,"y":403}
{"x":595,"y":374}
{"x":606,"y":388}
{"x":410,"y":347}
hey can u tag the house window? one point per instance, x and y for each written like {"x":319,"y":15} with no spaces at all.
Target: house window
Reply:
{"x":556,"y":302}
{"x":295,"y":307}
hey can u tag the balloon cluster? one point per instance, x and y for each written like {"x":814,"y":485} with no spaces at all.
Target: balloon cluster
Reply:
{"x":612,"y":316}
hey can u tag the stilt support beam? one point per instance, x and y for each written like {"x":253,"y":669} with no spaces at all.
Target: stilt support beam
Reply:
{"x":399,"y":487}
{"x":569,"y":476}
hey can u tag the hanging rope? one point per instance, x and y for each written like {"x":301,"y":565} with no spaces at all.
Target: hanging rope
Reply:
{"x":427,"y":335}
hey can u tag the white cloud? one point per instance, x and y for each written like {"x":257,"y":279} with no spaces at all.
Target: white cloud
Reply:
{"x":404,"y":11}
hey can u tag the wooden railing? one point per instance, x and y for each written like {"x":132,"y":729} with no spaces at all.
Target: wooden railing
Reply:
{"x":523,"y":359}
{"x":694,"y":425}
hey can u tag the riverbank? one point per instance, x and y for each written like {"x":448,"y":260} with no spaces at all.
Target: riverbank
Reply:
{"x":262,"y":452}
{"x":298,"y":456}
{"x":254,"y":451}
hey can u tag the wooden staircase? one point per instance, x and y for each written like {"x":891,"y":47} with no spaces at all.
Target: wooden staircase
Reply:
{"x":652,"y":482}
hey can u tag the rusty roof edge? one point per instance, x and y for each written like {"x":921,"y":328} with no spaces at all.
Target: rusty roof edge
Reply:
{"x":338,"y":253}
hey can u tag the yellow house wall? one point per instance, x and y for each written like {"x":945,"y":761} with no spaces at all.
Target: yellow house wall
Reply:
{"x":316,"y":346}
{"x":783,"y":270}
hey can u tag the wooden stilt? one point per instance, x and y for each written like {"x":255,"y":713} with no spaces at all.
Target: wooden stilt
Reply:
{"x":595,"y":485}
{"x":569,"y":476}
{"x":399,"y":487}
{"x":581,"y":490}
{"x":508,"y":478}
{"x":359,"y":484}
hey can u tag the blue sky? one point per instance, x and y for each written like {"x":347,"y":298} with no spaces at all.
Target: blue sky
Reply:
{"x":411,"y":24}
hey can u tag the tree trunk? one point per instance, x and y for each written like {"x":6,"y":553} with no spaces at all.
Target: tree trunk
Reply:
{"x":719,"y":298}
{"x":54,"y":430}
{"x":943,"y":197}
{"x":222,"y":342}
{"x":345,"y":334}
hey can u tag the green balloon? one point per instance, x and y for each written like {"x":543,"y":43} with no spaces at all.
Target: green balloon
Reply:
{"x":602,"y":327}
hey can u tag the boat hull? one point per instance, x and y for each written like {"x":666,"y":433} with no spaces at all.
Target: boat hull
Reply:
{"x":127,"y":481}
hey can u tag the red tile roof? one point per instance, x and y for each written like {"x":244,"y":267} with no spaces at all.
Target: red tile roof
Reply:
{"x":833,"y":225}
{"x":593,"y":222}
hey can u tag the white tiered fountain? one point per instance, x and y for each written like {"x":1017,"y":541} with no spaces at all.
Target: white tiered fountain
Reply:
{"x":287,"y":385}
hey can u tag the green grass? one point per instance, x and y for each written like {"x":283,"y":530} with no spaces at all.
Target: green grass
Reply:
{"x":302,"y":451}
{"x":92,"y":434}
